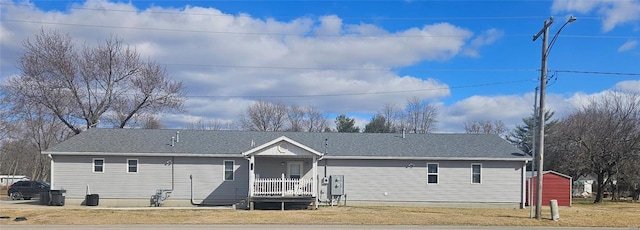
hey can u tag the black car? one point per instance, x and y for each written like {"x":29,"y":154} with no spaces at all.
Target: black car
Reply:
{"x":27,"y":189}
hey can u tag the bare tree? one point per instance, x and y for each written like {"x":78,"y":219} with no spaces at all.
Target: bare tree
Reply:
{"x":264,"y":116}
{"x":30,"y":129}
{"x":485,"y":127}
{"x":421,"y":115}
{"x":152,"y":122}
{"x":316,"y":120}
{"x":209,"y":125}
{"x":81,"y":85}
{"x":394,"y":117}
{"x":296,"y":117}
{"x":601,"y":139}
{"x":151,"y":92}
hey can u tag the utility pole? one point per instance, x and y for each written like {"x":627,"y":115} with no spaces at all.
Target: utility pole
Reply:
{"x":541,"y":119}
{"x":543,"y":85}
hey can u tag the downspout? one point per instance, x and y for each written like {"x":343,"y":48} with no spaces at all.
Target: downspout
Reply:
{"x":173,"y":162}
{"x":326,"y":145}
{"x":192,"y":202}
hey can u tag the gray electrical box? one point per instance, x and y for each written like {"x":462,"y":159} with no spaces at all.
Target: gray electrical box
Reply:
{"x":336,"y":183}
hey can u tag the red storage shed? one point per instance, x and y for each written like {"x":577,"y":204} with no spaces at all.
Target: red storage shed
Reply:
{"x":555,"y":186}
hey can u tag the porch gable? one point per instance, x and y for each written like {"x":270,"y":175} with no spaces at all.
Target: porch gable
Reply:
{"x":282,"y":146}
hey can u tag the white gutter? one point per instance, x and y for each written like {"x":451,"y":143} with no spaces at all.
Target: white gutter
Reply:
{"x":142,"y":154}
{"x":424,"y":158}
{"x":323,"y":157}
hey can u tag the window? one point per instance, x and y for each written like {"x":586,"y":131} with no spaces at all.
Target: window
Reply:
{"x":228,"y":170}
{"x":294,"y":169}
{"x":98,"y":165}
{"x":432,"y":173}
{"x":132,"y":165}
{"x":476,"y":173}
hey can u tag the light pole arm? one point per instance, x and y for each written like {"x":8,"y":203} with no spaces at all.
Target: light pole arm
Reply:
{"x":553,"y":40}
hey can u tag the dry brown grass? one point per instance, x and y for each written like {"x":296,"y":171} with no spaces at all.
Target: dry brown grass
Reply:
{"x":582,"y":214}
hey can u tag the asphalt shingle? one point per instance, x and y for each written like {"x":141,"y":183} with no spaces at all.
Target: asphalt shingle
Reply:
{"x":339,"y":144}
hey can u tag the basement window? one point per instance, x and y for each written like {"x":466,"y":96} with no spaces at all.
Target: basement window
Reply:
{"x":98,"y":165}
{"x":228,"y":170}
{"x":432,"y":173}
{"x":132,"y":165}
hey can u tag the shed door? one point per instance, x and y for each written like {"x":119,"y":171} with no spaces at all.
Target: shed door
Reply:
{"x":294,"y":169}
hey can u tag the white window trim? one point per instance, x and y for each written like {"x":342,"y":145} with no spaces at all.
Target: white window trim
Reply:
{"x":224,"y":170}
{"x":93,"y":165}
{"x":137,"y":165}
{"x":289,"y":163}
{"x":436,"y":174}
{"x":473,"y":164}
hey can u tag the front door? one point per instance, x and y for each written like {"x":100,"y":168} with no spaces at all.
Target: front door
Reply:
{"x":294,"y":169}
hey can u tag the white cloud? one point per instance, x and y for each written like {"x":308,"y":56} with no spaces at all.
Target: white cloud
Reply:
{"x":628,"y":86}
{"x":485,"y":38}
{"x":228,"y":61}
{"x":614,"y":12}
{"x":580,"y":6}
{"x":629,"y":45}
{"x":508,"y":108}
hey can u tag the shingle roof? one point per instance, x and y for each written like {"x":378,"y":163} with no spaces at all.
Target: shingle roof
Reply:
{"x":158,"y":141}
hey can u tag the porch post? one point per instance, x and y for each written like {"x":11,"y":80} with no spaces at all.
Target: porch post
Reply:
{"x":314,"y":181}
{"x":252,"y":175}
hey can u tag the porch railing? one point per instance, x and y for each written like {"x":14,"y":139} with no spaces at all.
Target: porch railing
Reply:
{"x":283,"y":187}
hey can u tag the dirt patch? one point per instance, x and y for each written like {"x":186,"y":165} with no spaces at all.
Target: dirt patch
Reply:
{"x":580,"y":215}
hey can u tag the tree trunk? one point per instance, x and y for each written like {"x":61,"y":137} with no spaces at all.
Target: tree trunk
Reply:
{"x":601,"y":186}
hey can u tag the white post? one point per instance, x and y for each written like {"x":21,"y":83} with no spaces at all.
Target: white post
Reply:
{"x":555,"y":214}
{"x":282,"y":185}
{"x":314,"y":181}
{"x":252,"y":175}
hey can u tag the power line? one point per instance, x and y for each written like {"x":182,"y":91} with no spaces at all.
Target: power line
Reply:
{"x":182,"y":12}
{"x":230,"y":32}
{"x":345,"y":69}
{"x":361,"y":93}
{"x":345,"y":35}
{"x":327,"y":68}
{"x":597,"y":72}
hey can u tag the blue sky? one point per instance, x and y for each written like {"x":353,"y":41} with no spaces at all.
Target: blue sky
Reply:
{"x":474,"y":59}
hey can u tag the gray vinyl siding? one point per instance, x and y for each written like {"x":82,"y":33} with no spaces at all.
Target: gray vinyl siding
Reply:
{"x":269,"y":167}
{"x":75,"y":173}
{"x":396,"y":180}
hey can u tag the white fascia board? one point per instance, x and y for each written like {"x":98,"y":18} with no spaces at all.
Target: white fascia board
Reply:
{"x":142,"y":154}
{"x":423,"y":158}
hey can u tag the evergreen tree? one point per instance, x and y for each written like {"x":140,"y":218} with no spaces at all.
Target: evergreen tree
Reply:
{"x":346,"y":125}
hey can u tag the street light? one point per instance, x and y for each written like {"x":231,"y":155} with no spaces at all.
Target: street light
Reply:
{"x":546,"y":47}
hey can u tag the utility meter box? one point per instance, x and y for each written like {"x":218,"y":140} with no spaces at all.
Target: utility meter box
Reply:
{"x":336,"y":183}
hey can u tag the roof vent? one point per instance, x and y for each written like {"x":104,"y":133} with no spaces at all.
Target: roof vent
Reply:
{"x":177,"y":136}
{"x":173,"y":140}
{"x":253,"y":144}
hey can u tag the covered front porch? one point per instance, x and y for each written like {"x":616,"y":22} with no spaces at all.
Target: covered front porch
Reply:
{"x":283,"y":171}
